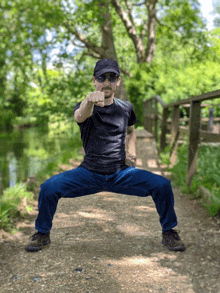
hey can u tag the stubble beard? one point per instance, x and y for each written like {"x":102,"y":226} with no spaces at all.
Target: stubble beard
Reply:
{"x":107,"y":96}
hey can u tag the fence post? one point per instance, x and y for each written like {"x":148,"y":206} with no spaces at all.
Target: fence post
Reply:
{"x":147,"y":115}
{"x":210,"y":126}
{"x":163,"y":143}
{"x":174,"y":135}
{"x":151,"y":112}
{"x":194,"y":137}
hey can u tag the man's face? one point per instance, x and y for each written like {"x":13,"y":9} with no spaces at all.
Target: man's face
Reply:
{"x":106,"y":86}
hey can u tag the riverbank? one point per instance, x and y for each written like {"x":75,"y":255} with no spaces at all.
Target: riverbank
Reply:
{"x":18,"y":202}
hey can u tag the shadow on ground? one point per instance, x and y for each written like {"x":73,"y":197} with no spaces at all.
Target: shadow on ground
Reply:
{"x":112,"y":243}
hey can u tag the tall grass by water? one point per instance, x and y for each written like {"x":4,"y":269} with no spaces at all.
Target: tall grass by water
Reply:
{"x":13,"y":197}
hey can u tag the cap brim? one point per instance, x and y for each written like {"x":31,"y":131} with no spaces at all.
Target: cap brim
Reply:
{"x":100,"y":72}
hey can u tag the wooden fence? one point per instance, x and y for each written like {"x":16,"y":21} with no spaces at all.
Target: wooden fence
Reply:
{"x":172,"y":126}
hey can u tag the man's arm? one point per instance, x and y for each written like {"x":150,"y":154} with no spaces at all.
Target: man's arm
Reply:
{"x":130,"y":146}
{"x":86,"y":107}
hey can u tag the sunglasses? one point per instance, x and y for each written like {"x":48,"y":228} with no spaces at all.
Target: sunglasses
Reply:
{"x":111,"y":78}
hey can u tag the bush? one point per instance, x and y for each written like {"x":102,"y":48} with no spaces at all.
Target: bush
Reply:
{"x":9,"y":205}
{"x":6,"y":121}
{"x":207,"y":174}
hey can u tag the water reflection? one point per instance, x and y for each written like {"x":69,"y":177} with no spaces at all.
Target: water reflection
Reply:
{"x":12,"y":169}
{"x":24,"y":153}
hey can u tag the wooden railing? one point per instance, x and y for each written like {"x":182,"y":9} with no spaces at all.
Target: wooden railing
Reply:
{"x":194,"y":131}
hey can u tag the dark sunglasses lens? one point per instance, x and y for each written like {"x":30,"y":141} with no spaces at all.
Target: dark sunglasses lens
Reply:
{"x":101,"y":78}
{"x":111,"y":78}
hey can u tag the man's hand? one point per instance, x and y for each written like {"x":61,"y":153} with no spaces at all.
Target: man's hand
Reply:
{"x":96,"y":98}
{"x":86,"y":108}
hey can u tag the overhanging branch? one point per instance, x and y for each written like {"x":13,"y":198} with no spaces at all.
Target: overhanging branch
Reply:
{"x":129,"y":12}
{"x":125,"y":72}
{"x":131,"y":29}
{"x":88,"y":44}
{"x":139,"y":4}
{"x":162,"y":24}
{"x":144,"y":31}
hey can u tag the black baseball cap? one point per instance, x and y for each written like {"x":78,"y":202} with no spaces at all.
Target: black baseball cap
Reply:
{"x":106,"y":65}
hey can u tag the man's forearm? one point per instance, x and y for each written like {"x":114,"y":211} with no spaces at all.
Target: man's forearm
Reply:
{"x":85,"y":110}
{"x":130,"y":144}
{"x":86,"y":107}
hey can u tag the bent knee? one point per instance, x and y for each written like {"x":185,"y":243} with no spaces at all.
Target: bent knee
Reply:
{"x":163,"y":183}
{"x":49,"y":188}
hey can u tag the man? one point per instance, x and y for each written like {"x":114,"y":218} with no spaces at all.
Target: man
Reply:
{"x":104,"y":121}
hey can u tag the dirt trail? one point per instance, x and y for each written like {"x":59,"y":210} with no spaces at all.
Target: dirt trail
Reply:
{"x":112,"y":243}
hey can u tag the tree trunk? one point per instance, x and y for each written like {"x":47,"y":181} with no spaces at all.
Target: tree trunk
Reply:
{"x":143,"y":55}
{"x":151,"y":44}
{"x":108,"y":45}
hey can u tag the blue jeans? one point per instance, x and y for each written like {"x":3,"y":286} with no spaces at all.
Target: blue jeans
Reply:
{"x":80,"y":181}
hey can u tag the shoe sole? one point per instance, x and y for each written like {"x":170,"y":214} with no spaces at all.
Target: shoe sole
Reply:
{"x":34,"y":248}
{"x":180,"y":248}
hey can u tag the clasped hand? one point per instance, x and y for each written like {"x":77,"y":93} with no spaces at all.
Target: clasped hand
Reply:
{"x":97,"y":98}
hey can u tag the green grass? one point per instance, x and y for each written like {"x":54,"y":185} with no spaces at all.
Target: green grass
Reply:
{"x":9,"y":205}
{"x":207,"y":175}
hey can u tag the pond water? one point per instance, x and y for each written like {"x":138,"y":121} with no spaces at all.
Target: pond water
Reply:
{"x":25,"y":152}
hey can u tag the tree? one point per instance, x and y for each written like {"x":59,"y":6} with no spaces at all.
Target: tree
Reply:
{"x":216,"y":12}
{"x":12,"y":49}
{"x":132,"y":32}
{"x":142,"y":35}
{"x":126,"y":15}
{"x":98,"y":10}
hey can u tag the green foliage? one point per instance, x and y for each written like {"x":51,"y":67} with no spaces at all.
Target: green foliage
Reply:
{"x":179,"y":170}
{"x":186,"y":63}
{"x":178,"y":70}
{"x":208,"y":170}
{"x":181,"y":23}
{"x":216,"y":12}
{"x":174,"y":78}
{"x":207,"y":175}
{"x":9,"y":205}
{"x":6,"y":120}
{"x":214,"y":207}
{"x":165,"y":155}
{"x":214,"y":42}
{"x":53,"y":100}
{"x":68,"y":150}
{"x":191,"y":80}
{"x":138,"y":87}
{"x":32,"y":90}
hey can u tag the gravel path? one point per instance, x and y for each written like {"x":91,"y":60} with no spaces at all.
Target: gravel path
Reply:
{"x":112,"y":243}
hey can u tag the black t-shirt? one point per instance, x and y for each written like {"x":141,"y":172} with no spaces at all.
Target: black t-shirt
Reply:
{"x":103,"y":135}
